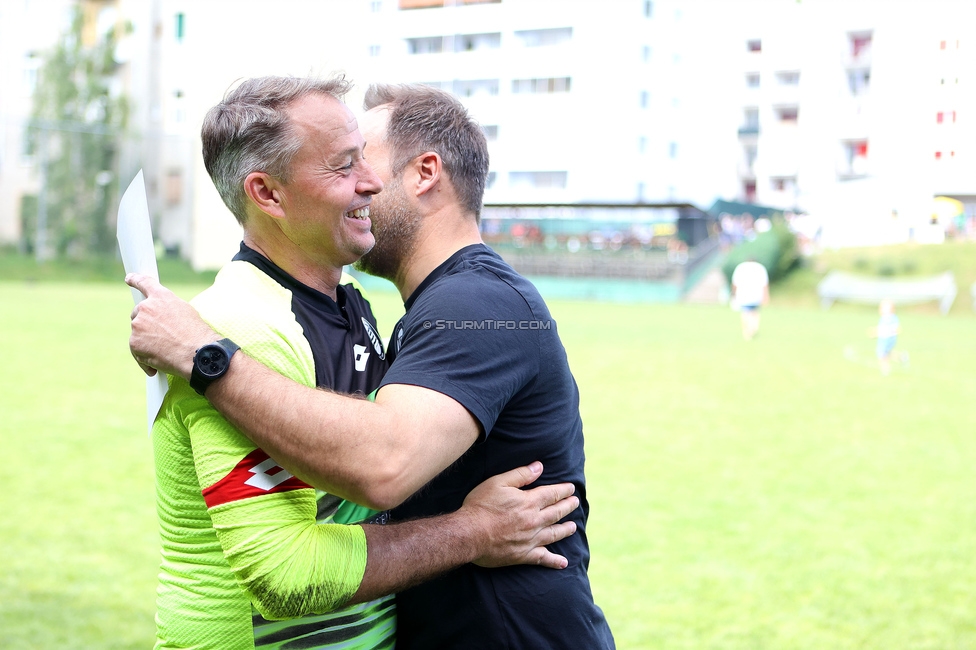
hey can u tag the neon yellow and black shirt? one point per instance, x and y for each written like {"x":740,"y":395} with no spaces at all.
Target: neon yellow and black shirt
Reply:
{"x":251,"y":555}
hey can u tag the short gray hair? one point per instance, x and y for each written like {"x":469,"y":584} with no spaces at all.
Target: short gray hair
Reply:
{"x":250,"y":131}
{"x":423,"y":118}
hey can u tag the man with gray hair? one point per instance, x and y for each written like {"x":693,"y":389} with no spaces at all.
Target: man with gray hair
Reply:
{"x":252,"y":555}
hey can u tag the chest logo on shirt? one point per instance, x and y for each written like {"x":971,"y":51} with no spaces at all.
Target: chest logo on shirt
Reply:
{"x":374,"y":338}
{"x":360,"y":356}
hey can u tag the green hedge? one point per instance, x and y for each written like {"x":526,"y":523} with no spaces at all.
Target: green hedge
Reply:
{"x":775,"y":249}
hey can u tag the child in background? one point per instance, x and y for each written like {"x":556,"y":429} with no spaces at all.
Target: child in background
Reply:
{"x":887,"y":334}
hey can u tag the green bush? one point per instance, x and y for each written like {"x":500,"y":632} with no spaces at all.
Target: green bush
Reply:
{"x":775,"y":249}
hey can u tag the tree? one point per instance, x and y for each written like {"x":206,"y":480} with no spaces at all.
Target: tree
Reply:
{"x":75,"y":132}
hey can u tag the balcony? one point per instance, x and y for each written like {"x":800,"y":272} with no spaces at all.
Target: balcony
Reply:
{"x":749,"y":131}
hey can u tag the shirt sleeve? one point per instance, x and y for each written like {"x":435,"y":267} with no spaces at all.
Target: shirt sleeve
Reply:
{"x":472,"y":339}
{"x":264,"y":519}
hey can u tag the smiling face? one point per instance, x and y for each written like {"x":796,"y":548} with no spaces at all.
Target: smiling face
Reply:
{"x":395,"y":221}
{"x":326,"y":200}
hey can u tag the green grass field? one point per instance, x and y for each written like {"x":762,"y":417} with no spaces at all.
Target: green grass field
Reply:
{"x":773,"y":494}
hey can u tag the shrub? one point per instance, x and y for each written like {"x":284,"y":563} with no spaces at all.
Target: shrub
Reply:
{"x":775,"y":249}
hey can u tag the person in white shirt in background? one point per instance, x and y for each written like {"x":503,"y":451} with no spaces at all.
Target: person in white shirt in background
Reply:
{"x":750,"y":291}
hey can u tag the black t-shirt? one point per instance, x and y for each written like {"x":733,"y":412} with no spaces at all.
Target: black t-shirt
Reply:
{"x":480,"y":333}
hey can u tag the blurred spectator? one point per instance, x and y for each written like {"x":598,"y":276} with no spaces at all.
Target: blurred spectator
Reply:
{"x":887,"y":334}
{"x":750,"y":291}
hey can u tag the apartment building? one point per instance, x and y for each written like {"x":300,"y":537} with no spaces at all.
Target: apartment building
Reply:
{"x":856,"y":113}
{"x":26,"y":29}
{"x":29,"y":30}
{"x":581,"y":101}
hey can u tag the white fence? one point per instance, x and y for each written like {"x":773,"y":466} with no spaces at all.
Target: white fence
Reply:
{"x":852,"y":288}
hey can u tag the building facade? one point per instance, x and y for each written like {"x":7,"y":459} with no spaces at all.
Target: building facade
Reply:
{"x":581,"y":101}
{"x":856,"y":112}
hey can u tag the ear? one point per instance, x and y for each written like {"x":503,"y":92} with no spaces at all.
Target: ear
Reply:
{"x":265,"y":192}
{"x":429,"y":168}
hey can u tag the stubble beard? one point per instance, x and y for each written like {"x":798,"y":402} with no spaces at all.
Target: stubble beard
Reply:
{"x":395,"y":228}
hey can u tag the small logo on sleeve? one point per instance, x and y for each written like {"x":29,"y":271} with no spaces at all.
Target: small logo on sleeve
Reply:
{"x":256,"y":474}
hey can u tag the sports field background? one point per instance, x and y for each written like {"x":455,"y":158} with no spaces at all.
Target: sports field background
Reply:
{"x":778,"y":493}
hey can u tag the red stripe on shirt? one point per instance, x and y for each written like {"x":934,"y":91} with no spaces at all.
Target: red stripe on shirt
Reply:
{"x":256,"y":474}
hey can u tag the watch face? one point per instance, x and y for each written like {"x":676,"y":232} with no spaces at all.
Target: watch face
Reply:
{"x":212,"y":360}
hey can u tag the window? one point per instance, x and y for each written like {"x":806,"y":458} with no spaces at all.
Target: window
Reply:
{"x":544,"y":85}
{"x":472,"y":42}
{"x":374,"y":50}
{"x":473,"y":87}
{"x":754,"y":45}
{"x":751,"y":116}
{"x":491,"y":132}
{"x":540,"y":37}
{"x":752,"y":80}
{"x":180,"y":26}
{"x":375,"y":5}
{"x":749,"y":191}
{"x":492,"y":177}
{"x":788,"y":78}
{"x":749,"y":151}
{"x":750,"y":122}
{"x":425,"y":45}
{"x":672,"y":150}
{"x":648,"y":8}
{"x":859,"y":81}
{"x":642,"y":144}
{"x":787,"y":114}
{"x":458,"y":43}
{"x":537,"y":179}
{"x":645,"y":99}
{"x":855,"y":158}
{"x":174,"y":186}
{"x":424,"y":4}
{"x":646,"y":53}
{"x":32,"y":63}
{"x":783,"y":183}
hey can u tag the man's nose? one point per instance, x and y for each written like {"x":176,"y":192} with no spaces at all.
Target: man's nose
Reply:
{"x":370,"y":182}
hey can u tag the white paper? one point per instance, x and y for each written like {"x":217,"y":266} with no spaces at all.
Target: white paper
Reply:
{"x":139,"y":256}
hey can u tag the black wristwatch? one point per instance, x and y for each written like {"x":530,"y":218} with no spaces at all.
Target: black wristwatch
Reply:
{"x":210,"y":363}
